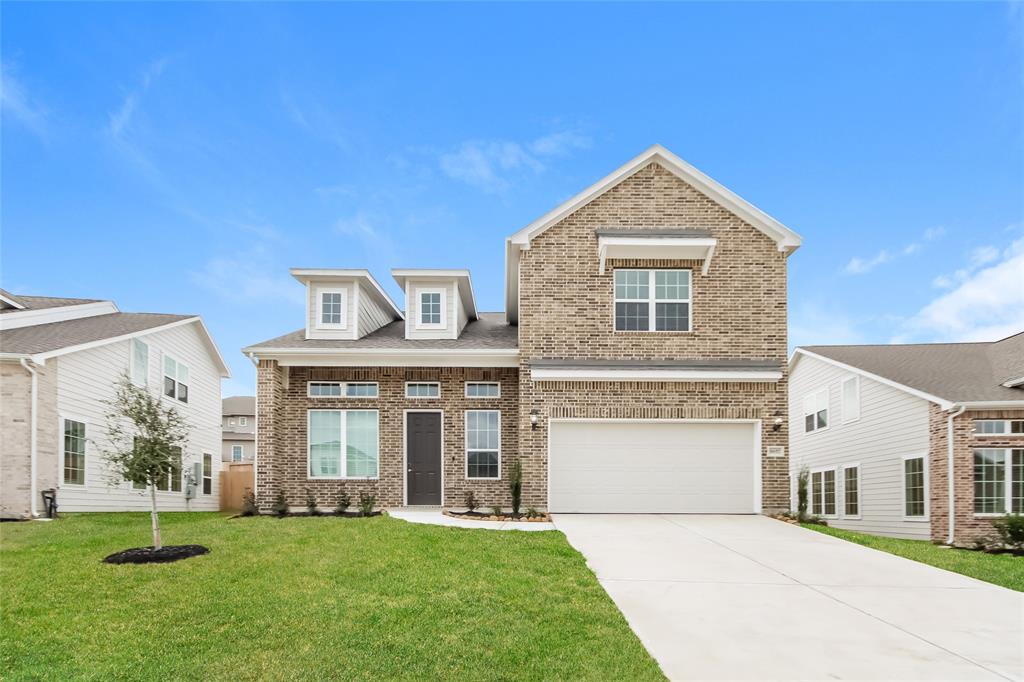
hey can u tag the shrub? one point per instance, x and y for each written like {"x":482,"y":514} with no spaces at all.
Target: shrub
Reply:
{"x":470,"y":501}
{"x":1011,"y":530}
{"x":515,"y":485}
{"x":344,"y":502}
{"x":280,"y":506}
{"x":366,"y":503}
{"x":495,"y":511}
{"x":532,"y":513}
{"x":311,"y":503}
{"x":249,"y":507}
{"x":802,"y":480}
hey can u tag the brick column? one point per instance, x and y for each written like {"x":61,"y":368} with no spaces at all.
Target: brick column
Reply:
{"x":269,"y":396}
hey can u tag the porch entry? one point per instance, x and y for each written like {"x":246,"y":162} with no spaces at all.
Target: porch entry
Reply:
{"x":423,"y":458}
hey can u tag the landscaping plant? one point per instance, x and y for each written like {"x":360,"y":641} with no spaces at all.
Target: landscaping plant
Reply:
{"x":311,"y":503}
{"x":280,"y":506}
{"x":515,"y":485}
{"x":344,"y":502}
{"x":1011,"y":530}
{"x":249,"y":506}
{"x":495,"y":511}
{"x":146,"y":439}
{"x":470,"y":501}
{"x":366,"y":503}
{"x":532,"y":513}
{"x":802,"y":481}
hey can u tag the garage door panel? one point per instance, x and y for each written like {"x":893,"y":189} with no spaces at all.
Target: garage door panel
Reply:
{"x":651,"y":467}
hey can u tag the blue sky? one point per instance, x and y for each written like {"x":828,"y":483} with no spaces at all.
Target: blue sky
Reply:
{"x":181,"y":157}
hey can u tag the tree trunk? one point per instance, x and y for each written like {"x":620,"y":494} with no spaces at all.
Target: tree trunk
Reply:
{"x":156,"y":520}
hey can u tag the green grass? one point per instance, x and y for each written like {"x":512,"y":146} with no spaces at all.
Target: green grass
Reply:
{"x":1000,"y":569}
{"x":305,"y":598}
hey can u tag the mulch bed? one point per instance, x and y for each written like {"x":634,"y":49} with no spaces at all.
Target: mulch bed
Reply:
{"x":164,"y":555}
{"x":483,"y":516}
{"x":346,"y":515}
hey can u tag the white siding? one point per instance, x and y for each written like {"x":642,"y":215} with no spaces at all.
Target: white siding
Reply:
{"x":350,"y":312}
{"x":463,"y":316}
{"x":892,"y":425}
{"x":87,"y":378}
{"x":371,"y":315}
{"x":412,"y":303}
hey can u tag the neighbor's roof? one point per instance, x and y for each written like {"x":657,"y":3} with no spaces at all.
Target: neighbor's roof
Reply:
{"x":953,"y":372}
{"x":489,"y":331}
{"x":238,"y":404}
{"x":45,"y":338}
{"x":40,"y":302}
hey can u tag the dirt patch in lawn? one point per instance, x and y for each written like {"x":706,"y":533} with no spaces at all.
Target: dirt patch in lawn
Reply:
{"x":148,"y":555}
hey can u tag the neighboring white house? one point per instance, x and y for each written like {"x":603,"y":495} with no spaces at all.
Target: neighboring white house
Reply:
{"x":239,"y":428}
{"x":59,"y":361}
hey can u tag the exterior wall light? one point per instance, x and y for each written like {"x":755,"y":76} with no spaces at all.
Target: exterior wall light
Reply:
{"x":534,"y":416}
{"x":777,"y":424}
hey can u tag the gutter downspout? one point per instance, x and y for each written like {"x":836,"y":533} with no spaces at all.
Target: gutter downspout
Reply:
{"x":950,"y":480}
{"x":33,"y":437}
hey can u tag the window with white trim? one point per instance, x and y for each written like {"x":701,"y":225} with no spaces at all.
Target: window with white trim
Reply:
{"x":243,"y":421}
{"x":998,"y":480}
{"x":343,"y":443}
{"x":331,"y":308}
{"x":823,"y":492}
{"x":236,"y":453}
{"x":140,"y":363}
{"x":914,"y":487}
{"x":176,"y":380}
{"x":851,"y":399}
{"x":207,"y":473}
{"x":74,"y":452}
{"x":483,"y":389}
{"x":816,"y":411}
{"x":652,"y":300}
{"x":423,"y":389}
{"x":431,"y":309}
{"x":999,"y":427}
{"x":170,"y":478}
{"x":339,"y":389}
{"x":483,"y":444}
{"x":361,"y":389}
{"x":851,"y":490}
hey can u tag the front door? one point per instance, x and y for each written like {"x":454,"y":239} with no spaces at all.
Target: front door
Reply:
{"x":423,"y":457}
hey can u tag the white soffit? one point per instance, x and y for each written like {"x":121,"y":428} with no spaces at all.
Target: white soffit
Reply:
{"x":672,"y":248}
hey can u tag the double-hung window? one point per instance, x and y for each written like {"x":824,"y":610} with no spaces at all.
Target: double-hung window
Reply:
{"x":851,"y":399}
{"x":207,"y":473}
{"x":331,"y":308}
{"x":816,"y":411}
{"x":999,"y":480}
{"x":176,"y":380}
{"x":236,"y":453}
{"x":483,"y":389}
{"x":823,"y":492}
{"x":483,"y":444}
{"x":74,"y":452}
{"x":140,"y":363}
{"x":343,"y":443}
{"x":430,"y":389}
{"x":914,"y":487}
{"x":652,"y":300}
{"x":851,"y":490}
{"x":999,"y":427}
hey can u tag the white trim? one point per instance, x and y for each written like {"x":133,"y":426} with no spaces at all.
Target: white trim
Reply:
{"x":1005,"y":434}
{"x":813,"y":397}
{"x":465,"y":446}
{"x":993,"y":405}
{"x":926,"y":516}
{"x":1013,"y":383}
{"x":598,"y":374}
{"x":61,"y":483}
{"x":343,"y":465}
{"x":1007,"y":481}
{"x":30,"y":317}
{"x":343,"y":388}
{"x":241,"y":453}
{"x":164,"y":355}
{"x":318,"y":322}
{"x":11,"y":302}
{"x":423,"y":383}
{"x":842,"y":399}
{"x":835,"y":490}
{"x":442,"y":292}
{"x":860,"y":497}
{"x":755,"y":423}
{"x":653,"y":300}
{"x":405,"y":452}
{"x":482,"y":383}
{"x":131,"y":362}
{"x":306,"y":275}
{"x":674,"y":248}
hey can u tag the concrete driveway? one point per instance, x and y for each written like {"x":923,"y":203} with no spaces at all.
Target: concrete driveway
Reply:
{"x":748,"y":597}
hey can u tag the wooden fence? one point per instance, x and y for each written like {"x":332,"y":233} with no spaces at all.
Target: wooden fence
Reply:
{"x":236,"y":478}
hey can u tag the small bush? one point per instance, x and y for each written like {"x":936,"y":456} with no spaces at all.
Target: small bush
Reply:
{"x":366,"y":503}
{"x":249,"y":507}
{"x":495,"y":511}
{"x":515,"y":485}
{"x":344,"y":502}
{"x":532,"y":513}
{"x":280,"y":506}
{"x":470,"y":501}
{"x":1011,"y":530}
{"x":802,"y":481}
{"x":311,"y":503}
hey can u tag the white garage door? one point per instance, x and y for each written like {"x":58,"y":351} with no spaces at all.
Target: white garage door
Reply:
{"x":651,"y":467}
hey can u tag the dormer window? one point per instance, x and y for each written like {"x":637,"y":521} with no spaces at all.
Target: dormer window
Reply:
{"x":331,"y":308}
{"x":432,"y":308}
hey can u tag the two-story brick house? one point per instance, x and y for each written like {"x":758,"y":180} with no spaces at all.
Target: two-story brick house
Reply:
{"x":640,"y":365}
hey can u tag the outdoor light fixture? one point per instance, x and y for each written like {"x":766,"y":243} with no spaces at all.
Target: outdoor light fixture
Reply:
{"x":534,"y":416}
{"x":777,"y":424}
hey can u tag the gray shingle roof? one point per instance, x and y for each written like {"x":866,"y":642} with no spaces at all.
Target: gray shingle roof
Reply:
{"x":957,"y":372}
{"x":40,"y":302}
{"x":490,"y":331}
{"x":44,"y":338}
{"x":238,"y":404}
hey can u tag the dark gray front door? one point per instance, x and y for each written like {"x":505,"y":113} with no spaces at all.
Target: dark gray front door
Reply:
{"x":423,"y":457}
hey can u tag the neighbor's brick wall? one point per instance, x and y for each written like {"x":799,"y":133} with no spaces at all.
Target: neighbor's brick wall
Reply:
{"x":283,"y":405}
{"x":967,"y":526}
{"x":567,"y":307}
{"x":15,"y":429}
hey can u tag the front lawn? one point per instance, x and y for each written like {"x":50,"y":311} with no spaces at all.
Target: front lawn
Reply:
{"x":1001,"y":569}
{"x":305,"y":598}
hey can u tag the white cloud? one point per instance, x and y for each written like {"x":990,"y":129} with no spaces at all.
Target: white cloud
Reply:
{"x":986,"y":303}
{"x":120,"y":119}
{"x":984,"y":255}
{"x":489,"y":164}
{"x":16,"y":100}
{"x":248,"y":277}
{"x":858,"y":266}
{"x":933,"y":233}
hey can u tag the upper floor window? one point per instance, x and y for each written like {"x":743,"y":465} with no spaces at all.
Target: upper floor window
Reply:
{"x":338,"y":389}
{"x":816,"y":411}
{"x":331,"y":308}
{"x":140,"y":363}
{"x":432,"y":308}
{"x":231,"y":422}
{"x":423,"y":390}
{"x":243,"y":421}
{"x":851,"y":399}
{"x":483,"y":389}
{"x":652,"y":300}
{"x":999,"y":427}
{"x":175,"y":379}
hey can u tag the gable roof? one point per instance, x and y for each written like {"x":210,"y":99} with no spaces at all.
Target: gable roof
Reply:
{"x":306,"y":275}
{"x":238,"y":405}
{"x":21,"y":302}
{"x":786,"y":239}
{"x":944,"y":373}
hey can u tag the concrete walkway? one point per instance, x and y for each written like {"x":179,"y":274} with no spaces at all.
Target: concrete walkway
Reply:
{"x":747,"y":597}
{"x":436,"y":518}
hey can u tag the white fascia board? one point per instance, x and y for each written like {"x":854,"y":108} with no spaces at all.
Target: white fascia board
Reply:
{"x":640,"y":248}
{"x":1014,"y":383}
{"x":941,"y":402}
{"x":32,"y":317}
{"x":586,"y":374}
{"x":368,"y":357}
{"x":11,"y":302}
{"x":306,"y":275}
{"x":992,"y":404}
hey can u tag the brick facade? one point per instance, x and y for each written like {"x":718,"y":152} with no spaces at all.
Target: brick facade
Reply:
{"x":15,"y":436}
{"x":967,"y":526}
